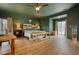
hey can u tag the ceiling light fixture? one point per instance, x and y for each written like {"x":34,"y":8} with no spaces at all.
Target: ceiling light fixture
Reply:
{"x":37,"y":8}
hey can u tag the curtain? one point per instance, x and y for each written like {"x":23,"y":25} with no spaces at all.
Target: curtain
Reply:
{"x":10,"y":25}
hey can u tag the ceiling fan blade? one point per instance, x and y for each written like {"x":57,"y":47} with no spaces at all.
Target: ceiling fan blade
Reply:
{"x":36,"y":4}
{"x":43,"y":5}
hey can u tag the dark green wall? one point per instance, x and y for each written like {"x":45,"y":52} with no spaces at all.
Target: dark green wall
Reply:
{"x":21,"y":18}
{"x":44,"y":23}
{"x":26,"y":20}
{"x":73,"y":20}
{"x":17,"y":17}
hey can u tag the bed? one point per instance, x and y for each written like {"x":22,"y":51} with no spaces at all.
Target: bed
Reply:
{"x":31,"y":33}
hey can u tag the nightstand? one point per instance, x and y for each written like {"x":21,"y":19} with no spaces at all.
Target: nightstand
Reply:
{"x":19,"y":33}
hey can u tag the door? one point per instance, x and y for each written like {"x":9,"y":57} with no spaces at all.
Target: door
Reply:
{"x":61,"y":27}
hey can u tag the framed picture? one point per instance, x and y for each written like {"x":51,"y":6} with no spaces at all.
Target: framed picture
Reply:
{"x":27,"y":26}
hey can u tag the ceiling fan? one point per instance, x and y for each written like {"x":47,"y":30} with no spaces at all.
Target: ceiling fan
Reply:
{"x":38,"y":6}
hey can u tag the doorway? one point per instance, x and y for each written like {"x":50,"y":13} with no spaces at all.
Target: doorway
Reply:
{"x":61,"y":27}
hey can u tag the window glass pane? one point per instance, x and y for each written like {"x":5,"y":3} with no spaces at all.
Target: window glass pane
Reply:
{"x":3,"y":26}
{"x":4,"y":22}
{"x":61,"y":27}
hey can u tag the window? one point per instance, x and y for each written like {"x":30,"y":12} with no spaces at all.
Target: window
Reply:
{"x":3,"y":26}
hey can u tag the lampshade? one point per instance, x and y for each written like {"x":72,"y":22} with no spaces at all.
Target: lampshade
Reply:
{"x":30,"y":20}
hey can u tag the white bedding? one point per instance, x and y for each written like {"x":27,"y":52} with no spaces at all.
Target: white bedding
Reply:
{"x":28,"y":33}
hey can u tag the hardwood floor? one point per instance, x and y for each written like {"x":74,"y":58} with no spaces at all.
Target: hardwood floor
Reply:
{"x":56,"y":45}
